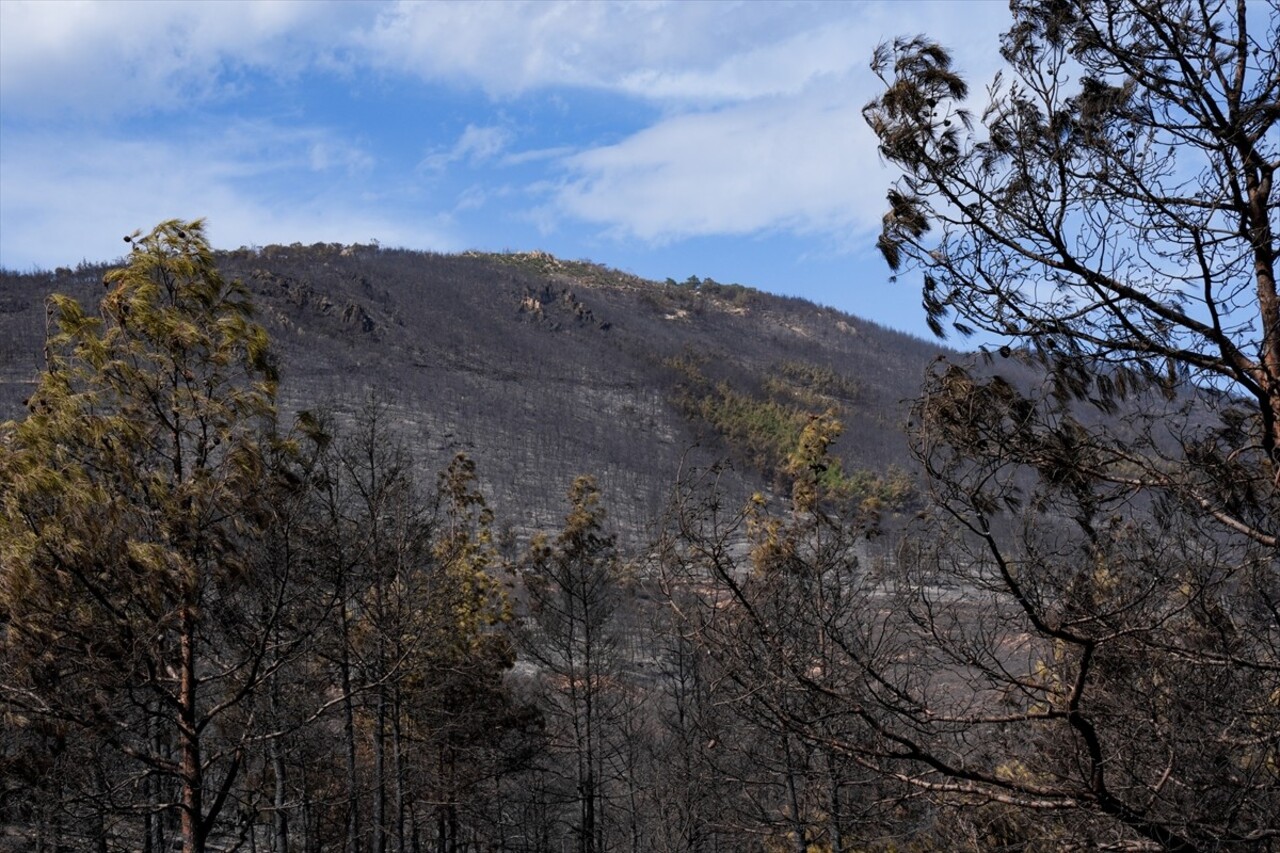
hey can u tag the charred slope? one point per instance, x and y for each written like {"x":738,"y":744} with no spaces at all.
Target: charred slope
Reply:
{"x":542,"y":369}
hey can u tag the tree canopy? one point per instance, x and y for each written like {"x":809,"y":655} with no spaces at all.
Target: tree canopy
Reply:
{"x":1113,"y":203}
{"x":1080,"y":648}
{"x":132,"y":489}
{"x":1108,"y":528}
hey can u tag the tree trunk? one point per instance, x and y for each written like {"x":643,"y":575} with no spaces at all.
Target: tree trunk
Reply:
{"x":793,"y":796}
{"x":349,"y":724}
{"x":397,"y":760}
{"x":281,"y":814}
{"x":379,"y":772}
{"x":153,"y":821}
{"x":192,"y":771}
{"x":833,"y":808}
{"x":307,"y":819}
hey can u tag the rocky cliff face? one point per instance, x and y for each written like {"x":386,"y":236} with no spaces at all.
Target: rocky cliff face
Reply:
{"x":542,"y":369}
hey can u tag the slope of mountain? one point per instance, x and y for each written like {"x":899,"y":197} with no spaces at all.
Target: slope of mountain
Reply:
{"x":543,"y":369}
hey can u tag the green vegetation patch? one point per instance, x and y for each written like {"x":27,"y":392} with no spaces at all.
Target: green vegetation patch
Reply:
{"x":771,"y":431}
{"x":735,"y":294}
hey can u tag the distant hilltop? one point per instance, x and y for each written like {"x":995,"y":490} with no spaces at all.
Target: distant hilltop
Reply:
{"x":541,"y":368}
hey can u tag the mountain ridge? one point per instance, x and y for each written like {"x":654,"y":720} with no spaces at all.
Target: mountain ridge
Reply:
{"x":542,"y":369}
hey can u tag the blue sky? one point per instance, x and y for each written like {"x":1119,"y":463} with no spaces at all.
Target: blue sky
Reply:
{"x":668,"y":139}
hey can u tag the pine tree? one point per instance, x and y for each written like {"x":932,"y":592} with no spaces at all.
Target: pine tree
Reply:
{"x":131,"y":492}
{"x":574,"y":592}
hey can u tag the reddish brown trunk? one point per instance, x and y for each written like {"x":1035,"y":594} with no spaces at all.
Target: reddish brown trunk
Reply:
{"x":1271,"y":374}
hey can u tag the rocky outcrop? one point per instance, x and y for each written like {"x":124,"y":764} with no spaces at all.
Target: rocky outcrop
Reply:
{"x":556,"y":306}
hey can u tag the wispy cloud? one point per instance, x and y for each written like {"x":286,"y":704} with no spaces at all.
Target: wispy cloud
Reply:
{"x":747,"y":115}
{"x":537,"y":155}
{"x":247,"y":180}
{"x":328,"y":154}
{"x":769,"y":164}
{"x":476,"y":146}
{"x":91,"y":59}
{"x":646,"y":49}
{"x":771,"y":138}
{"x":662,"y":51}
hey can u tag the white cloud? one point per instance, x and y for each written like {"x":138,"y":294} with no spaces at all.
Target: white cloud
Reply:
{"x":519,"y":158}
{"x":666,"y":51}
{"x":795,"y":163}
{"x":760,"y":126}
{"x":100,"y":59}
{"x":645,"y":49}
{"x":476,"y":146}
{"x":477,"y":196}
{"x":326,"y":154}
{"x":784,"y":146}
{"x":74,"y":199}
{"x":128,"y":56}
{"x":106,"y":58}
{"x":781,"y":67}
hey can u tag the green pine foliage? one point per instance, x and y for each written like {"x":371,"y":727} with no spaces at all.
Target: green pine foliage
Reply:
{"x":134,"y":491}
{"x":137,"y":471}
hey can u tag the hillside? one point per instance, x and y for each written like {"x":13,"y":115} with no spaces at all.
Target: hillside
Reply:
{"x":542,"y":369}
